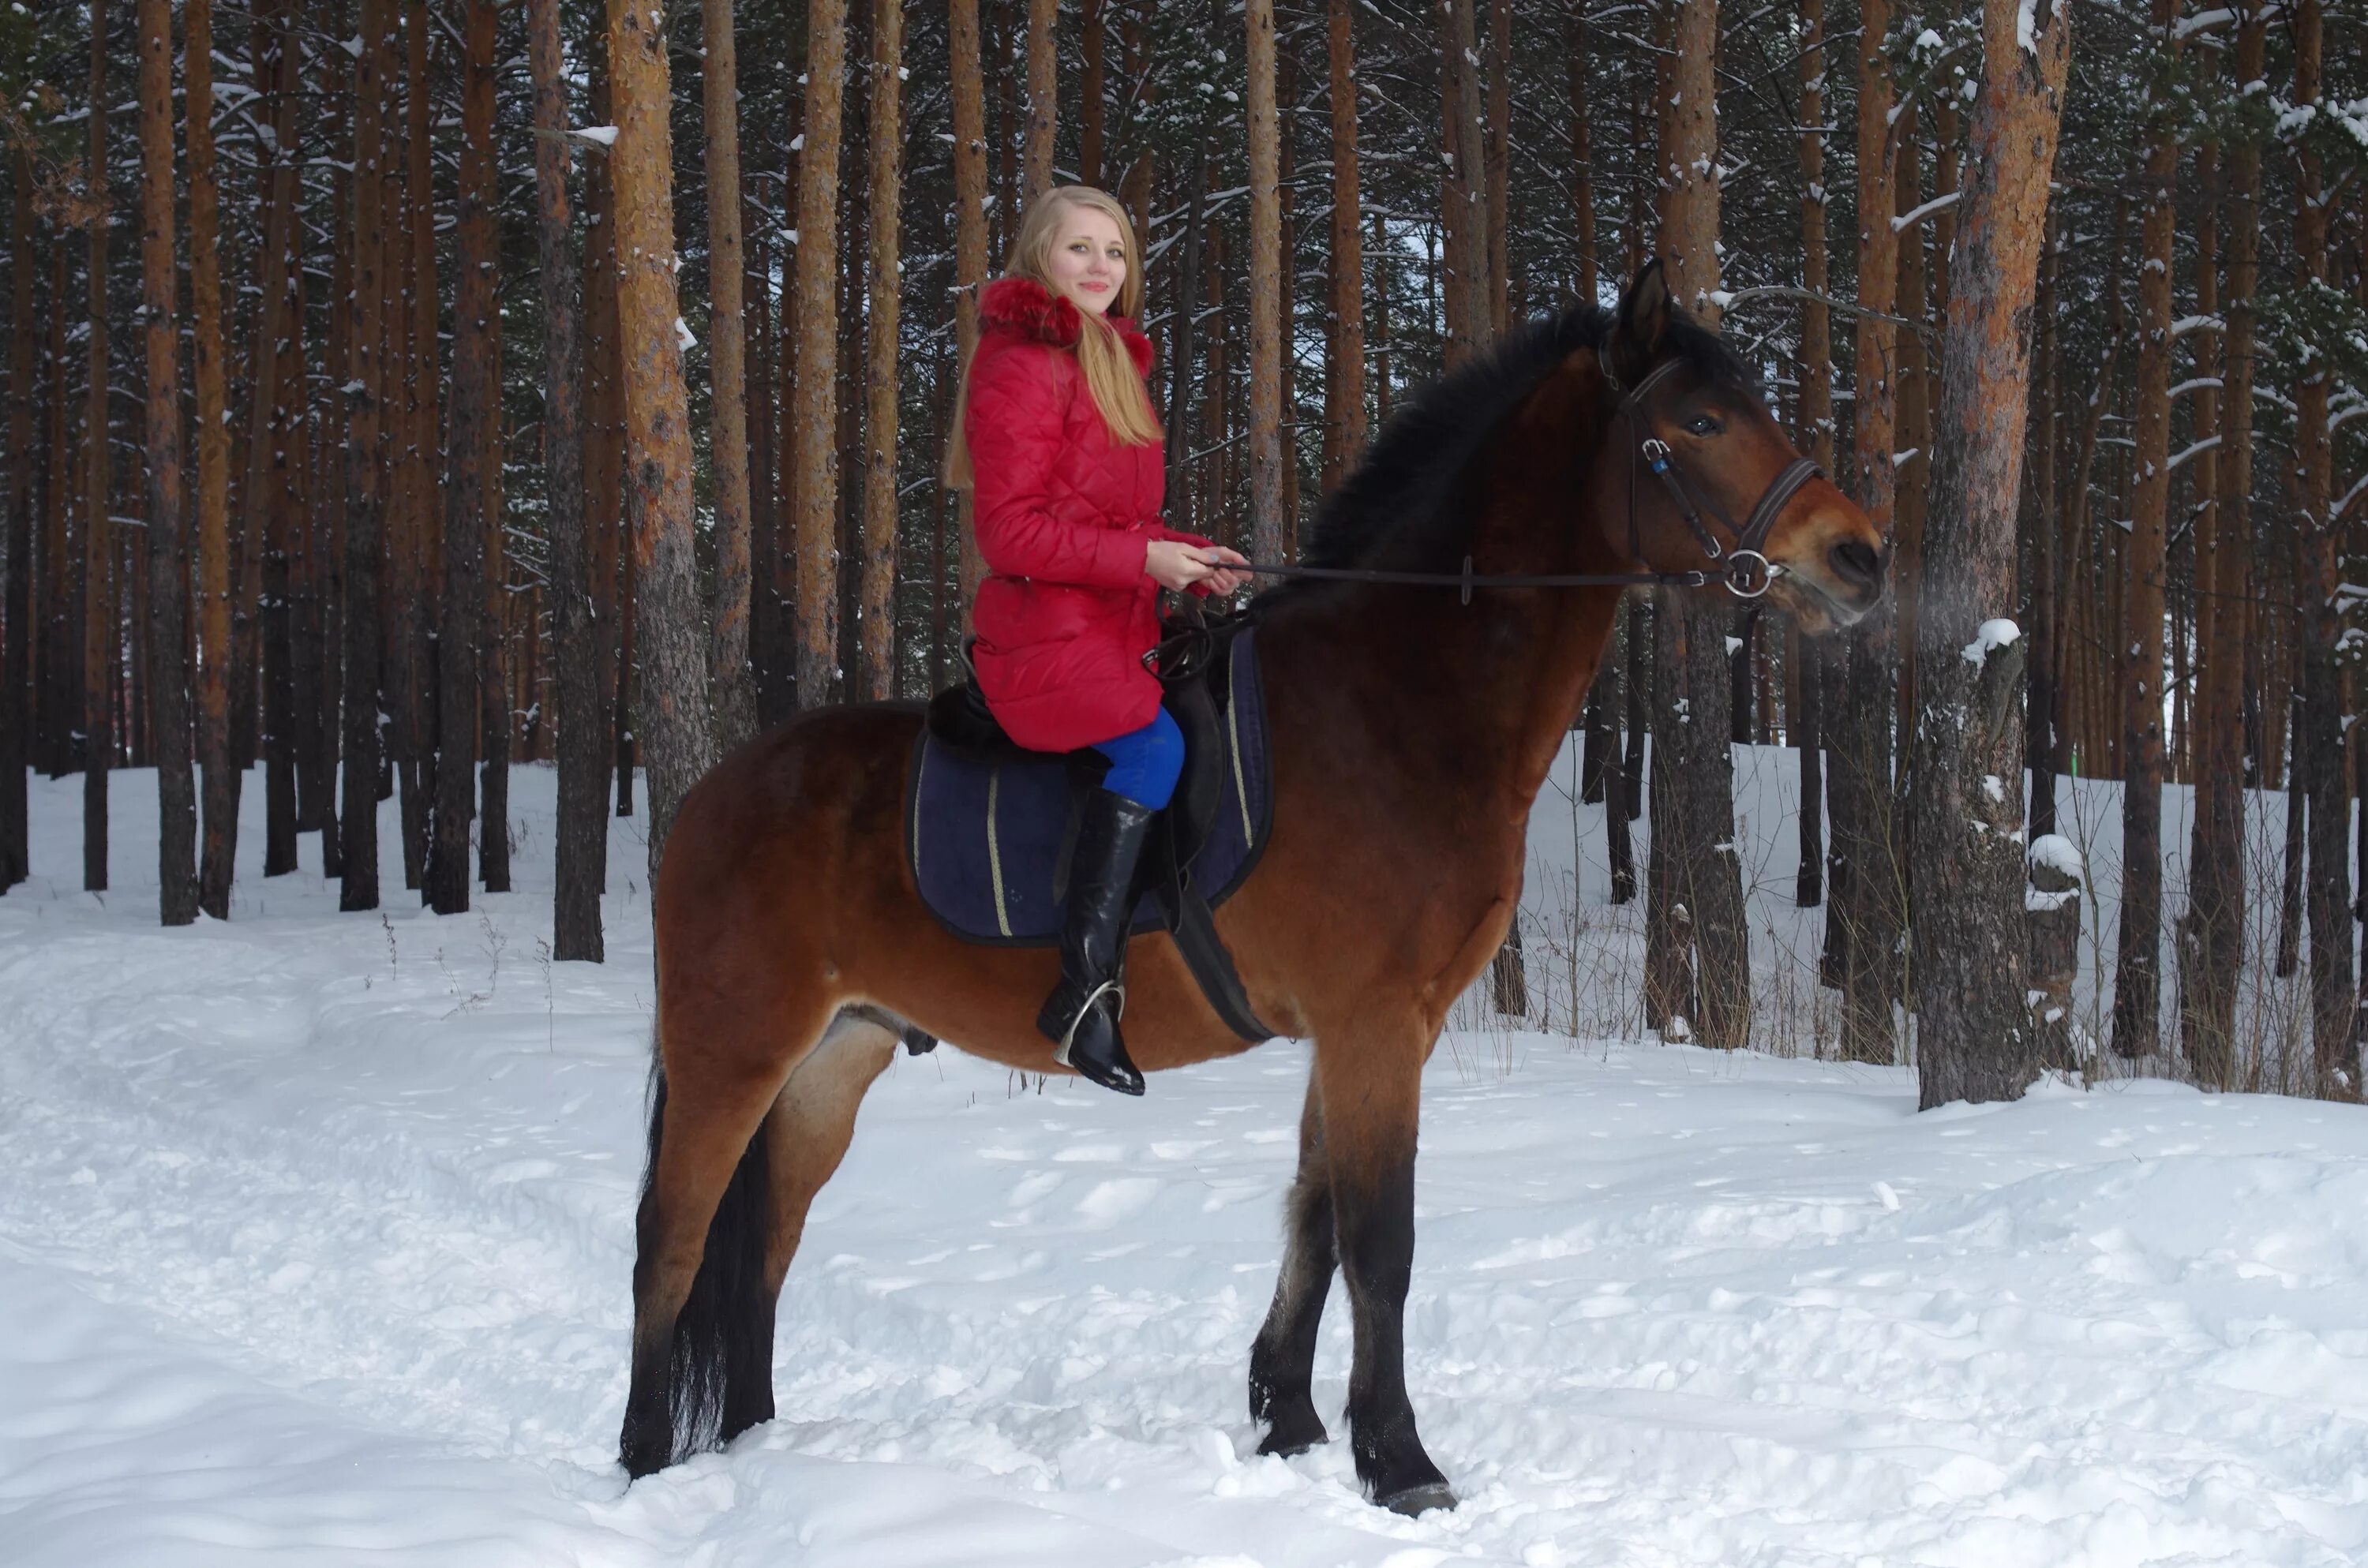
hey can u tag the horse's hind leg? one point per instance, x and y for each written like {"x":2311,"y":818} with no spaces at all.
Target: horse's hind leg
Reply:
{"x":1282,"y":1359}
{"x":702,"y":1322}
{"x":807,"y":1135}
{"x":1372,"y":1085}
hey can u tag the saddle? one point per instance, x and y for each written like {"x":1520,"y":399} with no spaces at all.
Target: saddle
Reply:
{"x":990,"y":826}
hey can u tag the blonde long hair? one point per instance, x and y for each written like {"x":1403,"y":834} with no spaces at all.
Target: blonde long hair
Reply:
{"x":1119,"y":395}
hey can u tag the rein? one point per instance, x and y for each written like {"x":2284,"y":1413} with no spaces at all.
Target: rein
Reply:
{"x":1746,"y":570}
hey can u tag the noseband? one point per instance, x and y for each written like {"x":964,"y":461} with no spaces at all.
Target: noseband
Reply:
{"x":1745,"y":568}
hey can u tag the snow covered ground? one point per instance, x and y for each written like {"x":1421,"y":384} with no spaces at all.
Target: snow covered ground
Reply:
{"x":315,"y":1234}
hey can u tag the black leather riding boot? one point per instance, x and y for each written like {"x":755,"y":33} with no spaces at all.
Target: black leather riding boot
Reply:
{"x":1082,"y":1013}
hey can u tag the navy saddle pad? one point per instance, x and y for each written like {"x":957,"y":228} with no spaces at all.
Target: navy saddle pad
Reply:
{"x":984,"y":830}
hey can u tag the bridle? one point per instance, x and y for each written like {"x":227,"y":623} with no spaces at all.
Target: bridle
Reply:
{"x":1744,"y":568}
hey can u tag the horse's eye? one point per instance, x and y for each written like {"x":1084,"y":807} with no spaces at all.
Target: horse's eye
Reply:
{"x":1703,"y":424}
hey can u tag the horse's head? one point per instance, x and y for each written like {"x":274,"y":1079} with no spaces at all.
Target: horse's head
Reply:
{"x":1695,"y":475}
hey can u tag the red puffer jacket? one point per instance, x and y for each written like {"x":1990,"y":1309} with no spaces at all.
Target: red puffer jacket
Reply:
{"x":1065,"y":515}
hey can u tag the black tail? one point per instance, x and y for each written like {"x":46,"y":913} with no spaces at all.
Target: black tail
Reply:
{"x":720,"y":1371}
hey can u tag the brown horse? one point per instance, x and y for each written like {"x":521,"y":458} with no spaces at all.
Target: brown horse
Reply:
{"x":1411,"y":732}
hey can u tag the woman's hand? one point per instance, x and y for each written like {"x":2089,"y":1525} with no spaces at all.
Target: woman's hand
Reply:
{"x":1179,"y":566}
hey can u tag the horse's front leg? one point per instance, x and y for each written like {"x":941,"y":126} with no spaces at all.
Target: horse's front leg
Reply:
{"x":1371,"y":1081}
{"x":1282,"y":1360}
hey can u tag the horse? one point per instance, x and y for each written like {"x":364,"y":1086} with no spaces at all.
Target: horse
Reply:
{"x":1412,"y":727}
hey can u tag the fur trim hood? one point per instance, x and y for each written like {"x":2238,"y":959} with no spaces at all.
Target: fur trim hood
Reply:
{"x":1026,"y":309}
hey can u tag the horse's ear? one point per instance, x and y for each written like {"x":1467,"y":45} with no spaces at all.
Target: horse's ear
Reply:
{"x":1641,"y":324}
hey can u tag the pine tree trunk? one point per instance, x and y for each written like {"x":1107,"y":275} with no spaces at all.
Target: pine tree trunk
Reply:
{"x":60,"y":644}
{"x":1864,"y":875}
{"x":1497,"y":151}
{"x":1344,"y":363}
{"x":2045,"y":683}
{"x":365,"y":307}
{"x":1044,"y":106}
{"x":2335,"y":1028}
{"x":815,"y":505}
{"x":2137,"y":978}
{"x":16,"y":674}
{"x":1976,"y":1036}
{"x":970,"y":234}
{"x":221,"y":778}
{"x":267,"y":498}
{"x":1090,"y":87}
{"x":1710,"y":873}
{"x":328,"y":419}
{"x":496,"y":709}
{"x":1668,"y":901}
{"x":96,"y":545}
{"x":2211,"y":938}
{"x":673,"y":721}
{"x":734,"y":686}
{"x":296,"y":674}
{"x":605,"y":532}
{"x":461,"y":629}
{"x":876,"y":601}
{"x":1463,"y":245}
{"x":417,"y":495}
{"x":1267,"y":541}
{"x":168,"y":673}
{"x":1913,"y":433}
{"x":582,"y":848}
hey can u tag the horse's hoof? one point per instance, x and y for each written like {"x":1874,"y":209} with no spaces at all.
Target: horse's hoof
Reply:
{"x":1294,"y":1435}
{"x":1421,"y":1499}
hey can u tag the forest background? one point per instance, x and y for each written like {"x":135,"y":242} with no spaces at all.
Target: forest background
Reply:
{"x":320,"y":407}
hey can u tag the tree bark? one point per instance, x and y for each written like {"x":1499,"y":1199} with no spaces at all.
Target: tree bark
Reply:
{"x":1499,"y":170}
{"x":2218,"y":902}
{"x":2047,"y":382}
{"x":168,"y":674}
{"x":221,"y":776}
{"x":1576,"y":58}
{"x":270,"y":498}
{"x":728,"y":668}
{"x":970,"y":232}
{"x":1865,"y":876}
{"x":1977,"y":1038}
{"x":877,"y":595}
{"x":1697,"y":672}
{"x":2334,"y":1010}
{"x":1268,"y":541}
{"x":16,"y":674}
{"x":2137,"y":976}
{"x":96,"y":545}
{"x":2211,"y":938}
{"x":1090,"y":87}
{"x":815,"y":505}
{"x":416,"y":497}
{"x":365,"y":308}
{"x":1344,"y":383}
{"x":1043,"y":106}
{"x":462,"y":629}
{"x":608,"y":622}
{"x":674,"y":726}
{"x":1463,"y":248}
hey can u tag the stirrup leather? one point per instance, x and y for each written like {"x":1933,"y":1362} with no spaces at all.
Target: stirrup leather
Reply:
{"x":1069,"y":1035}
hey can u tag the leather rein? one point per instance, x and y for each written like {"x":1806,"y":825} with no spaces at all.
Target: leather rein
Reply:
{"x":1745,"y":568}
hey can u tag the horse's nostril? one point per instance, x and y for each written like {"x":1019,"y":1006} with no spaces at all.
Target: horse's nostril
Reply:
{"x":1856,"y":562}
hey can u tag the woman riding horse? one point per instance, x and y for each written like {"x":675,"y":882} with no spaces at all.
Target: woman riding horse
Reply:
{"x":1055,"y":437}
{"x":1411,"y":727}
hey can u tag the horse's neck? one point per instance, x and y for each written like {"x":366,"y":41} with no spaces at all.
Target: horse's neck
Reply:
{"x":1483,"y":693}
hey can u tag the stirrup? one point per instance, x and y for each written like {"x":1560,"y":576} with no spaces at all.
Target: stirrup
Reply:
{"x":1077,"y":1019}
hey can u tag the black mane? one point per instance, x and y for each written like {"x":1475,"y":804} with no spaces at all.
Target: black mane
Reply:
{"x":1402,"y":493}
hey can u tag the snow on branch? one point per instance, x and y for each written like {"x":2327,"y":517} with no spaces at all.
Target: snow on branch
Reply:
{"x":1989,"y":638}
{"x":1909,"y":220}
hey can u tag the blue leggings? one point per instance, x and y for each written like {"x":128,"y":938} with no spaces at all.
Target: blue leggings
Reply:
{"x":1145,"y":763}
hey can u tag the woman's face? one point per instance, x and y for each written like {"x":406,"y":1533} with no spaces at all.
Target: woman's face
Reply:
{"x":1088,"y":260}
